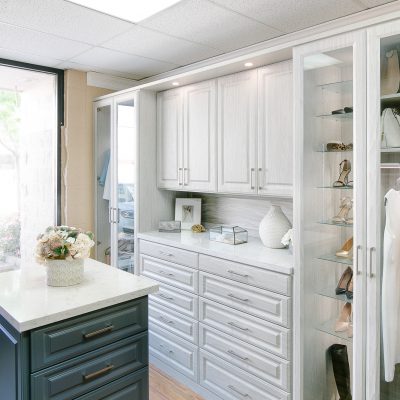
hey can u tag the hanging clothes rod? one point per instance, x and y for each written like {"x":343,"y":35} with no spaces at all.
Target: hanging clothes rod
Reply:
{"x":390,"y":165}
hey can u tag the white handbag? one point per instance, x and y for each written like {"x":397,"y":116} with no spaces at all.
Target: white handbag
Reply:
{"x":390,"y":128}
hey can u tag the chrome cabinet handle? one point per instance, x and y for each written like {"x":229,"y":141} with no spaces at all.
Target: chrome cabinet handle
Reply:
{"x":109,"y":215}
{"x":165,"y":273}
{"x":237,"y":273}
{"x":168,"y":321}
{"x":186,"y":176}
{"x":163,"y":253}
{"x":259,"y":178}
{"x":164,"y":296}
{"x":236,"y":297}
{"x":252,"y":173}
{"x":371,"y":250}
{"x":180,"y":180}
{"x":237,"y":326}
{"x":237,"y":391}
{"x":358,"y":248}
{"x":117,"y":214}
{"x":162,"y":347}
{"x":232,"y":353}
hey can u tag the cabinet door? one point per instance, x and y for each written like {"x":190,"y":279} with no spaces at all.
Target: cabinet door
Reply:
{"x":237,"y":124}
{"x":169,"y":138}
{"x":199,"y":169}
{"x":275,"y":129}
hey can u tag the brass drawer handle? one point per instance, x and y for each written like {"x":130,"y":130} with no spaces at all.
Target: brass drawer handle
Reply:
{"x":237,"y":391}
{"x":98,"y":332}
{"x":237,"y":273}
{"x":236,"y":297}
{"x":237,"y":326}
{"x":98,"y":373}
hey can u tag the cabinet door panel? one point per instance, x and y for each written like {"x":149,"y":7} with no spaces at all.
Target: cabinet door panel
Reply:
{"x":275,"y":130}
{"x":200,"y":137}
{"x":237,"y":120}
{"x":169,"y":137}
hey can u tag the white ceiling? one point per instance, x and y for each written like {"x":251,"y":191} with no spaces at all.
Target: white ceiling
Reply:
{"x":57,"y":33}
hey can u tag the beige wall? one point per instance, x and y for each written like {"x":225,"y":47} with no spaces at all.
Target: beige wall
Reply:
{"x":77,"y":151}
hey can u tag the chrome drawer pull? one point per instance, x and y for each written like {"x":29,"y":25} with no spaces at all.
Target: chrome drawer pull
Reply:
{"x":237,"y":326}
{"x":232,"y":353}
{"x":164,"y":296}
{"x":98,"y":332}
{"x":237,"y":273}
{"x":98,"y":373}
{"x":165,"y":273}
{"x":237,"y":391}
{"x":169,"y":351}
{"x":161,"y":318}
{"x":163,"y":253}
{"x":237,"y":298}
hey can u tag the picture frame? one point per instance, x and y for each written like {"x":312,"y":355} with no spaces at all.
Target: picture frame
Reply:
{"x":188,"y":211}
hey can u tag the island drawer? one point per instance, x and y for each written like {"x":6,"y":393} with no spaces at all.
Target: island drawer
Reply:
{"x":263,"y":304}
{"x":62,"y":341}
{"x":248,"y":274}
{"x":83,"y":374}
{"x":173,"y":274}
{"x":173,"y":351}
{"x":260,"y":333}
{"x":168,"y":253}
{"x":231,"y":383}
{"x":134,"y":386}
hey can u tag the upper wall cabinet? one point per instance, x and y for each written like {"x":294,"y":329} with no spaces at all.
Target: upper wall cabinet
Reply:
{"x":186,"y":128}
{"x":275,"y":129}
{"x":237,"y":132}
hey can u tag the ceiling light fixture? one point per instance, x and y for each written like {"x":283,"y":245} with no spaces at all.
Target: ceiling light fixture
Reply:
{"x":133,"y":11}
{"x":248,"y":64}
{"x":175,"y":83}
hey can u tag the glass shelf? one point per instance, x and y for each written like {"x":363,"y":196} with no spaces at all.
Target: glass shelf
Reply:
{"x":334,"y":151}
{"x":329,"y":327}
{"x":335,"y":259}
{"x":390,"y":150}
{"x":337,"y":86}
{"x":336,"y":224}
{"x":341,"y":117}
{"x":336,"y":188}
{"x":391,"y":100}
{"x":330,"y":292}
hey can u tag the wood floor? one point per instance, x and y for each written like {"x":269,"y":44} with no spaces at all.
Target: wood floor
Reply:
{"x":162,"y":387}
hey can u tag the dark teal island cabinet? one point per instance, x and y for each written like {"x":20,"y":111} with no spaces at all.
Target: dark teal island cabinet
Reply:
{"x":96,"y":355}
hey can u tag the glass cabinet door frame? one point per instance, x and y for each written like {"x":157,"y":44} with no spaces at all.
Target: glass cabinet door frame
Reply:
{"x":374,"y":195}
{"x":356,"y":40}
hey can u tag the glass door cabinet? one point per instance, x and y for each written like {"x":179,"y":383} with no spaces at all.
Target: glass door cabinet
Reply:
{"x":115,"y":176}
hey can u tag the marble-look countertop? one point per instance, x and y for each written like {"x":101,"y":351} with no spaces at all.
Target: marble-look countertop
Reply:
{"x":253,"y":252}
{"x":26,"y":301}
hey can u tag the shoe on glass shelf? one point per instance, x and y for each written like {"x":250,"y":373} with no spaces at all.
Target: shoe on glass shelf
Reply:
{"x":342,"y":216}
{"x":343,"y":322}
{"x":344,"y":172}
{"x":344,"y":281}
{"x":349,"y":290}
{"x":346,"y":249}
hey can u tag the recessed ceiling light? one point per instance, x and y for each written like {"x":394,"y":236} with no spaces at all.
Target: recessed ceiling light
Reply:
{"x":133,"y":11}
{"x":248,"y":64}
{"x":175,"y":83}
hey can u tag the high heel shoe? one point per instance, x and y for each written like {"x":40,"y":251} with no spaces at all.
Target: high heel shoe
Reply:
{"x":346,"y":249}
{"x":344,"y":281}
{"x":349,"y":289}
{"x":344,"y":172}
{"x":343,"y":322}
{"x":343,"y":215}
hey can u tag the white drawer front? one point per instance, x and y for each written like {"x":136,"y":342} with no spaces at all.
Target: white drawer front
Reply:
{"x":173,"y":274}
{"x":176,"y":352}
{"x":261,"y":303}
{"x":169,"y":253}
{"x":279,"y":283}
{"x":178,"y":300}
{"x":263,"y":334}
{"x":173,"y":322}
{"x":264,"y":365}
{"x":232,"y":383}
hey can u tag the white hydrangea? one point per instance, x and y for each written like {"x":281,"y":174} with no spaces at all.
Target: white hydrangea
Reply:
{"x":81,"y":247}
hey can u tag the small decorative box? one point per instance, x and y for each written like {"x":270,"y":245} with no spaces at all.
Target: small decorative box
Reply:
{"x":228,"y":234}
{"x":169,"y":226}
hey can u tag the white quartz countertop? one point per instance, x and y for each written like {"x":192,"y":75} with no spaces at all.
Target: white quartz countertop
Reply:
{"x":26,"y":301}
{"x":253,"y":252}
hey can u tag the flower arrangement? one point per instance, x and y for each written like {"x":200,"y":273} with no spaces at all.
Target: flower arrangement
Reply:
{"x":63,"y":243}
{"x":287,"y":238}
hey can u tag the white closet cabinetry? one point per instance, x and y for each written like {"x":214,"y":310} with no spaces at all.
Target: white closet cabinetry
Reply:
{"x":186,"y":124}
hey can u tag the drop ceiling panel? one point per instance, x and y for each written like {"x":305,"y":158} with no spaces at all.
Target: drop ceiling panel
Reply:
{"x":62,"y":18}
{"x":37,"y":43}
{"x":117,"y":61}
{"x":204,"y":22}
{"x":148,"y":43}
{"x":28,"y":58}
{"x":292,"y":15}
{"x":375,"y":3}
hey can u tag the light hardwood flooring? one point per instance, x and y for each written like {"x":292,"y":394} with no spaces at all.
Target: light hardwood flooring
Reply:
{"x":162,"y":387}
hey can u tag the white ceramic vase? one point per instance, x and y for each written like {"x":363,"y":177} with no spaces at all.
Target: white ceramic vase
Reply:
{"x":64,"y":273}
{"x":273,"y":226}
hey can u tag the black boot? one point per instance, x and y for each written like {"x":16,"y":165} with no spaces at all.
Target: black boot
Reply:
{"x":341,"y":370}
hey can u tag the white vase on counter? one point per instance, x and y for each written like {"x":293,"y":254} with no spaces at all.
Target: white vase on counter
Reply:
{"x":64,"y":272}
{"x":273,"y":226}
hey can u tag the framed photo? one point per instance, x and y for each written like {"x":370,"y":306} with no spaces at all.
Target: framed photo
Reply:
{"x":188,"y":211}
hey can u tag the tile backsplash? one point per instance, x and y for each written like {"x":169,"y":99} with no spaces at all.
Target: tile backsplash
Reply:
{"x":245,"y":212}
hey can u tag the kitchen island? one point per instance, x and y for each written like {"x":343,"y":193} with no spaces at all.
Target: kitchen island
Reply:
{"x":84,"y":342}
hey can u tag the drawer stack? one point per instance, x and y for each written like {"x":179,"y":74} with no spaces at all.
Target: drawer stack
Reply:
{"x":225,"y":325}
